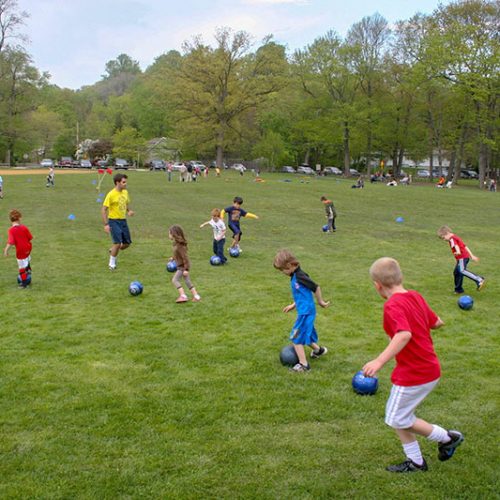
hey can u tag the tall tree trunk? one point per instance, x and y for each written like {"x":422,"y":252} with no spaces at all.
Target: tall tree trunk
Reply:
{"x":347,"y":157}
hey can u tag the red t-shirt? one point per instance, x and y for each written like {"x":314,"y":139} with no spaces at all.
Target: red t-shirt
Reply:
{"x":458,"y":248}
{"x":417,"y":362}
{"x":20,"y":237}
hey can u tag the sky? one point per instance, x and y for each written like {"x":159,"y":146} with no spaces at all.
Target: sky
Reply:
{"x":74,"y":39}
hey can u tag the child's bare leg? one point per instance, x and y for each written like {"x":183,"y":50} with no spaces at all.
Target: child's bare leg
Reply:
{"x":314,"y":346}
{"x":115,"y":248}
{"x":301,"y":354}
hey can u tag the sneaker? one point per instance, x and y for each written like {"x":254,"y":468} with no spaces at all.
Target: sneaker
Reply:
{"x":181,"y":299}
{"x":408,"y":466}
{"x":112,"y":268}
{"x":481,"y":284}
{"x":320,"y":352}
{"x":196,"y":298}
{"x":300,"y":368}
{"x":446,"y":450}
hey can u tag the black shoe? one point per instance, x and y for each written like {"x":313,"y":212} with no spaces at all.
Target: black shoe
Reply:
{"x":408,"y":466}
{"x":320,"y":352}
{"x":446,"y":450}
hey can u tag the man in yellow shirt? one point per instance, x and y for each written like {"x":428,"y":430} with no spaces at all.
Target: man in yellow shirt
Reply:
{"x":115,"y":209}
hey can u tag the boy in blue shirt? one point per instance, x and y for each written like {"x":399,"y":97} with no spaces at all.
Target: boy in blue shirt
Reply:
{"x":303,"y":291}
{"x":234,"y":214}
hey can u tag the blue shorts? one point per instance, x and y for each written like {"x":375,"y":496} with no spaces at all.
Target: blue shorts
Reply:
{"x":303,"y":331}
{"x":119,"y":231}
{"x":235,"y":228}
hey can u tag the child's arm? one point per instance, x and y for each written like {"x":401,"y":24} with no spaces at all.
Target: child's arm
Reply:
{"x":204,"y":224}
{"x":250,"y":215}
{"x":6,"y":249}
{"x":438,"y":324}
{"x":397,"y":343}
{"x":319,"y":298}
{"x":472,"y":256}
{"x":289,"y":307}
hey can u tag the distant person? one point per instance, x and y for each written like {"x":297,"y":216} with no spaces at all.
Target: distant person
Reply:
{"x":180,"y":256}
{"x":441,"y":182}
{"x":360,"y":183}
{"x":169,"y":171}
{"x":303,"y":291}
{"x":19,"y":236}
{"x":115,"y":209}
{"x":1,"y":187}
{"x":492,"y":186}
{"x":392,"y":183}
{"x":219,"y":229}
{"x":330,"y":213}
{"x":217,"y":171}
{"x":406,"y":180}
{"x":50,"y":177}
{"x":234,"y":214}
{"x":408,"y":321}
{"x":462,"y":256}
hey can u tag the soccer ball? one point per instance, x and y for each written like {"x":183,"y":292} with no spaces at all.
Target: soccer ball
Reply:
{"x":171,"y":266}
{"x":364,"y":385}
{"x":325,"y":228}
{"x":465,"y":302}
{"x":26,"y":282}
{"x":215,"y":260}
{"x":135,"y":288}
{"x":234,"y":252}
{"x":288,"y":356}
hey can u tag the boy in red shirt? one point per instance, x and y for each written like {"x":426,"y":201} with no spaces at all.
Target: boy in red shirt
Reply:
{"x":20,"y":237}
{"x":408,"y":321}
{"x":462,"y":255}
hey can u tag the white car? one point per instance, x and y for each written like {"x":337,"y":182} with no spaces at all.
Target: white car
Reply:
{"x":238,"y":166}
{"x":306,"y":171}
{"x":332,"y":171}
{"x":423,"y":174}
{"x":178,"y":165}
{"x":47,"y":162}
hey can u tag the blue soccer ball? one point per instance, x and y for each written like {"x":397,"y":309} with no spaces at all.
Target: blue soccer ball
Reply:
{"x":325,"y":228}
{"x":215,"y":260}
{"x":364,"y":385}
{"x":135,"y":288}
{"x":171,"y":266}
{"x":26,"y":282}
{"x":465,"y":302}
{"x":234,"y":252}
{"x":288,"y":356}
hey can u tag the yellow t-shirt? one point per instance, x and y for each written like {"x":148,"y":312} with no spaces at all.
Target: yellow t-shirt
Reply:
{"x":117,"y":203}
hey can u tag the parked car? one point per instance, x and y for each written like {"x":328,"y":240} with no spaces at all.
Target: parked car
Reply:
{"x":423,"y":174}
{"x":332,"y":171}
{"x":65,"y":161}
{"x":157,"y":165}
{"x":238,"y":166}
{"x":85,"y":164}
{"x":306,"y":170}
{"x":121,"y":164}
{"x":288,"y":170}
{"x":435,"y":172}
{"x":197,"y":164}
{"x":178,"y":165}
{"x":469,"y":174}
{"x":354,"y":172}
{"x":213,"y":164}
{"x":47,"y":162}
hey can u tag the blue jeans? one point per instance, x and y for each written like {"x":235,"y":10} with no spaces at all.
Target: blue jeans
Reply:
{"x":218,"y":247}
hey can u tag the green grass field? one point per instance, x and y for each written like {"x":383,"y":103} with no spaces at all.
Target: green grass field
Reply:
{"x":105,"y":395}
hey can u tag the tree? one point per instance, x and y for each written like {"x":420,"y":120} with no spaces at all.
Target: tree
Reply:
{"x":122,"y":64}
{"x":10,"y":22}
{"x":128,"y":144}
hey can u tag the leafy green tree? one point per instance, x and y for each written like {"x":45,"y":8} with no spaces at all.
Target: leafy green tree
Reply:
{"x":128,"y":144}
{"x":122,"y":64}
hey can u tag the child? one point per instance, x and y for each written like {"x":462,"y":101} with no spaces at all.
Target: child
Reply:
{"x":462,"y":255}
{"x":176,"y":234}
{"x":50,"y":177}
{"x":20,"y":237}
{"x":219,"y":234}
{"x":408,"y":321}
{"x":303,"y":288}
{"x":1,"y":187}
{"x":331,"y":213}
{"x":234,"y":213}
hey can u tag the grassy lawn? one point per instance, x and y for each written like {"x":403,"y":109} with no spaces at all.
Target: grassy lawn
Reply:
{"x":105,"y":395}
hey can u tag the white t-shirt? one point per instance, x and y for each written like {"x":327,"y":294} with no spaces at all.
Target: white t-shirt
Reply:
{"x":219,"y":227}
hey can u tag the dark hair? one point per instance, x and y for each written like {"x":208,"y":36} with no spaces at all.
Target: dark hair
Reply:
{"x":238,"y":199}
{"x":15,"y":215}
{"x":118,"y":177}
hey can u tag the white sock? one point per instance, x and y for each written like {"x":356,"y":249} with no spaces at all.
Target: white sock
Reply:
{"x":439,"y":434}
{"x":112,"y":261}
{"x":412,"y":451}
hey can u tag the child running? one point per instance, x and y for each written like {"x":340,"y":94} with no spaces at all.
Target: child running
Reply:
{"x":234,"y":214}
{"x":462,"y":255}
{"x":219,"y":234}
{"x":20,"y":237}
{"x":330,"y":213}
{"x":180,"y":255}
{"x":303,"y":288}
{"x":408,"y":321}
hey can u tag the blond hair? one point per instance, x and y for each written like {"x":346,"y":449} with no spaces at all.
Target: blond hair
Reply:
{"x":285,"y":259}
{"x":215,"y":212}
{"x":443,"y":230}
{"x":386,"y":271}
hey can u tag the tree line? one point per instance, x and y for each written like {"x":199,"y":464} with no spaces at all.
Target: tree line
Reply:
{"x":426,"y":87}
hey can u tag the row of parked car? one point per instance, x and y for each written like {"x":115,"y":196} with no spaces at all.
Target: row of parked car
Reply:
{"x":464,"y":174}
{"x":68,"y":162}
{"x":306,"y":170}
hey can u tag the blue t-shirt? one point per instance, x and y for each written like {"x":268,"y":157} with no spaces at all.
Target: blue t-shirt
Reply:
{"x":303,"y":288}
{"x":234,"y":214}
